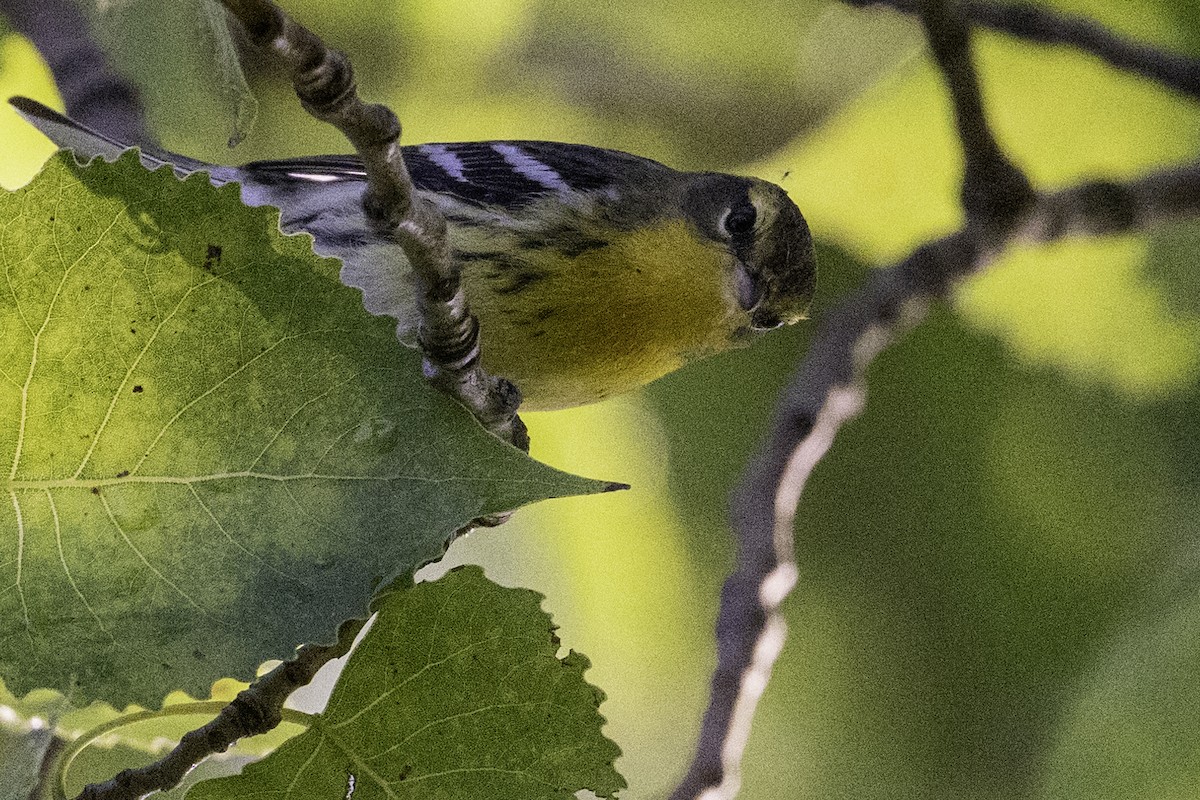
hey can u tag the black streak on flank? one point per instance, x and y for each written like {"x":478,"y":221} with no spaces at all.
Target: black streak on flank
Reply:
{"x":522,"y":281}
{"x":497,"y":258}
{"x":571,"y":247}
{"x":212,"y":258}
{"x":489,"y":255}
{"x":463,"y":220}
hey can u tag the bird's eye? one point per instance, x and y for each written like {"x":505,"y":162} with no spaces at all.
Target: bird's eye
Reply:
{"x":740,"y":219}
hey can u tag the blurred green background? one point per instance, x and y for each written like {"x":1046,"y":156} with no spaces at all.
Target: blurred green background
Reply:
{"x":999,"y":563}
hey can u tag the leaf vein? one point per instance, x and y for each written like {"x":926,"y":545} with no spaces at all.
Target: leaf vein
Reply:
{"x":141,"y":557}
{"x":360,"y":765}
{"x":62,"y":559}
{"x":129,"y":372}
{"x":452,"y":718}
{"x":430,"y":665}
{"x":191,"y":403}
{"x":20,"y":559}
{"x":37,"y":337}
{"x":230,"y":539}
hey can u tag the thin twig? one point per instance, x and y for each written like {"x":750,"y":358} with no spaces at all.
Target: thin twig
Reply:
{"x":254,"y":711}
{"x":93,"y":92}
{"x":995,"y":193}
{"x":828,"y":388}
{"x":449,"y":335}
{"x":1043,"y":25}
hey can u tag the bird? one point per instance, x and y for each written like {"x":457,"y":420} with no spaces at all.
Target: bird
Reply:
{"x":591,"y":271}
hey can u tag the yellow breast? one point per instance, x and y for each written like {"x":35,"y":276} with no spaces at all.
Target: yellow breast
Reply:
{"x":574,"y":325}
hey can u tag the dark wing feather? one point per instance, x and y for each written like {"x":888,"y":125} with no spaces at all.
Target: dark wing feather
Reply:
{"x":507,"y":174}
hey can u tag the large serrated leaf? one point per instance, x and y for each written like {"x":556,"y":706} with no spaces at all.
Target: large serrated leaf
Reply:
{"x":209,"y":452}
{"x":456,"y":691}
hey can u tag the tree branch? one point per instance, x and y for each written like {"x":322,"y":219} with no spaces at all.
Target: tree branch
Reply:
{"x":449,"y":335}
{"x":828,"y":387}
{"x":1045,"y":26}
{"x":254,"y":711}
{"x":994,"y":192}
{"x":828,"y":390}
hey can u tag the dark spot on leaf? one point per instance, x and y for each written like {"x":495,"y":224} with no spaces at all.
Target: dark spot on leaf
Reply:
{"x":87,"y":287}
{"x":78,"y":229}
{"x":212,"y":258}
{"x":537,"y":333}
{"x":405,"y":771}
{"x":196,"y":654}
{"x":96,"y":490}
{"x":52,"y":219}
{"x":138,"y":390}
{"x":133,"y":330}
{"x":543,"y":314}
{"x":123,"y":473}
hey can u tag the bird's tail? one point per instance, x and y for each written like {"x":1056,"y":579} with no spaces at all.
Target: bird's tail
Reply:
{"x":87,"y":144}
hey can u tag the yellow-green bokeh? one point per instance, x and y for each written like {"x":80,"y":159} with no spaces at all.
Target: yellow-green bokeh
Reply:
{"x":22,"y":72}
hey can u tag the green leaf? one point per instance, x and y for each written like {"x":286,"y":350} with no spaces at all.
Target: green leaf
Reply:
{"x":209,"y":452}
{"x":456,"y":691}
